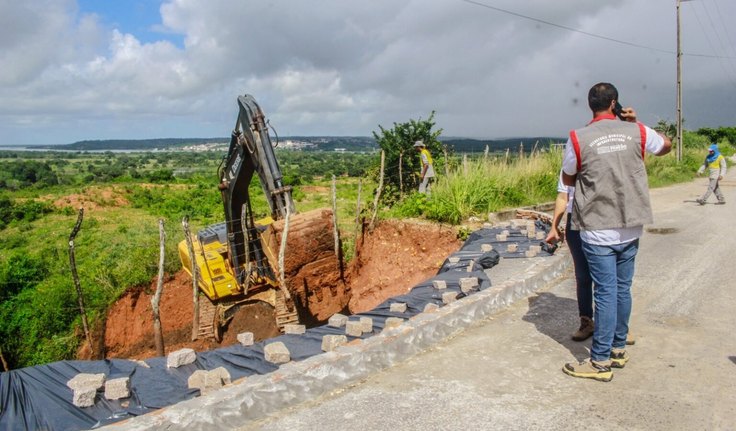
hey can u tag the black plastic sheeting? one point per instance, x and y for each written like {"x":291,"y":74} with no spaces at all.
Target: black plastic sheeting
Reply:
{"x":37,"y":398}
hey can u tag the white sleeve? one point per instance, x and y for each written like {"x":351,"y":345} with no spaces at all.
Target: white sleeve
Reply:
{"x":569,"y":160}
{"x":561,"y":187}
{"x":654,"y":141}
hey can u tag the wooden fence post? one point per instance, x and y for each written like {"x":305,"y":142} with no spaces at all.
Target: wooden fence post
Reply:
{"x":2,"y":358}
{"x":335,"y":231}
{"x":401,"y":176}
{"x":158,"y":335}
{"x":75,"y":277}
{"x":358,"y":223}
{"x":195,"y":277}
{"x":378,"y":191}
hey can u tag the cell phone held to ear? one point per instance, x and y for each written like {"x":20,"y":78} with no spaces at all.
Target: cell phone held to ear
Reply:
{"x":618,"y":110}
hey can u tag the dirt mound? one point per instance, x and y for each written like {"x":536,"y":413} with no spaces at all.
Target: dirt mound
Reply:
{"x":92,"y":198}
{"x":391,"y":260}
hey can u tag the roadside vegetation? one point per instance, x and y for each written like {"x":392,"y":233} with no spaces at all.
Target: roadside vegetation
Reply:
{"x":125,"y":194}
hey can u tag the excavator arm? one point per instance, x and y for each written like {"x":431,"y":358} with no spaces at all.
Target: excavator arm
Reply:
{"x":250,"y":151}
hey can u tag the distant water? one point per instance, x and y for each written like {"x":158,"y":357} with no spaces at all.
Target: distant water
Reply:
{"x":78,"y":151}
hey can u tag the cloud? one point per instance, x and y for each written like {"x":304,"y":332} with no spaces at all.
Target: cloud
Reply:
{"x":343,"y":68}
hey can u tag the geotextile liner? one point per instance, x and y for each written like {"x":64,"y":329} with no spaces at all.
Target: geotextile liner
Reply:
{"x":37,"y":398}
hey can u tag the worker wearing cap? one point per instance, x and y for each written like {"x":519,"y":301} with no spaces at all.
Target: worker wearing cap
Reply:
{"x":427,"y":169}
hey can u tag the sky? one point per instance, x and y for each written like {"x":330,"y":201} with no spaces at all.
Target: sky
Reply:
{"x":136,"y":69}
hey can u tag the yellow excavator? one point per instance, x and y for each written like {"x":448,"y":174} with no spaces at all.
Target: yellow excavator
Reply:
{"x":242,"y":260}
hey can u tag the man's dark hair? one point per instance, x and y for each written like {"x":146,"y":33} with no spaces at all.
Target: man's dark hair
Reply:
{"x":601,"y":95}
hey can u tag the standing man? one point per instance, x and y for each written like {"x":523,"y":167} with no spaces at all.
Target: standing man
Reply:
{"x":427,"y":170}
{"x":605,"y":162}
{"x":716,"y":165}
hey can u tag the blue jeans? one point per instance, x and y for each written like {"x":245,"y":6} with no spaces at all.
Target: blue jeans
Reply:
{"x":583,"y":282}
{"x":612,"y":270}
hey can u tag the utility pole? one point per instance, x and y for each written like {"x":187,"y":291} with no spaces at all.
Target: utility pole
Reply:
{"x":679,"y":87}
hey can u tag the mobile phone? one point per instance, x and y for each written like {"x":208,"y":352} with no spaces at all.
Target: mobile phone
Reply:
{"x":617,"y":110}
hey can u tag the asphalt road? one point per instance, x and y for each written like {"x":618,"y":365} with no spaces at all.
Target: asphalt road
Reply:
{"x":505,"y":372}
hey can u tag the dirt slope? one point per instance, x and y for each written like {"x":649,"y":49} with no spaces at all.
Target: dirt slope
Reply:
{"x":391,"y":260}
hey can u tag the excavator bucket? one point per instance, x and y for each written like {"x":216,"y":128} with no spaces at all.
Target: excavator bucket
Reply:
{"x":313,"y":270}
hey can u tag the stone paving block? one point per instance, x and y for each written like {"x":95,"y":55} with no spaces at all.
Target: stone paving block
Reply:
{"x":501,"y":237}
{"x":468,"y":283}
{"x":332,"y":342}
{"x":337,"y":320}
{"x":453,"y":259}
{"x":486,"y":247}
{"x":449,"y":297}
{"x":181,"y":357}
{"x":86,"y":381}
{"x":393,"y":322}
{"x":439,"y":284}
{"x":505,"y":232}
{"x":431,"y":307}
{"x":117,"y":388}
{"x":366,"y":325}
{"x":523,"y":232}
{"x":353,"y":328}
{"x":541,"y":235}
{"x":398,"y":307}
{"x":223,"y":374}
{"x":245,"y":338}
{"x":530,"y":253}
{"x":511,"y":248}
{"x":536,"y":248}
{"x":294,"y":329}
{"x":277,"y":353}
{"x":84,"y":397}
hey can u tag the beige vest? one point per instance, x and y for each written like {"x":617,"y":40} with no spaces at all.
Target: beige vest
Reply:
{"x":611,"y":190}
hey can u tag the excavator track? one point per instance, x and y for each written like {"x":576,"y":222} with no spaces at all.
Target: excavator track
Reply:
{"x":284,"y":316}
{"x":207,"y":312}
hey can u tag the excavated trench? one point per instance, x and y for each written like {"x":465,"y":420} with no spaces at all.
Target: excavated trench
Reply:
{"x":391,"y":259}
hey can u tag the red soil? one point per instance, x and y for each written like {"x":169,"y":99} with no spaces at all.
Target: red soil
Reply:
{"x":391,"y":260}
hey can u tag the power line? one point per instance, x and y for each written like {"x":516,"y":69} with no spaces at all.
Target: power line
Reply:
{"x":597,"y":36}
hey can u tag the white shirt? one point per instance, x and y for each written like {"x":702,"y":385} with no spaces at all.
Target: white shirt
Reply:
{"x":654,"y":145}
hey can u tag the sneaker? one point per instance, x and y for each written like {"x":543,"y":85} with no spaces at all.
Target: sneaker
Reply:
{"x":589,"y":369}
{"x":630,"y":340}
{"x":721,"y":203}
{"x":586,"y":329}
{"x":700,"y":201}
{"x":619,"y":358}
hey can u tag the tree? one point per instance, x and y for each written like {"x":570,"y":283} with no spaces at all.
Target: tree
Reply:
{"x":398,"y":145}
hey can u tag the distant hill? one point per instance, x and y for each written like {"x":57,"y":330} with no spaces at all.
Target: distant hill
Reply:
{"x":320,"y":143}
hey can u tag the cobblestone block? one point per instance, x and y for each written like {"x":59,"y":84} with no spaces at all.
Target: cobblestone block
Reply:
{"x":84,"y":397}
{"x":337,"y":320}
{"x":353,"y":328}
{"x":439,"y":284}
{"x":511,"y":248}
{"x":486,"y":248}
{"x":501,"y":237}
{"x":468,"y":283}
{"x":431,"y":307}
{"x":245,"y":338}
{"x":536,"y":248}
{"x":449,"y":297}
{"x":530,"y":253}
{"x":117,"y":388}
{"x":332,"y":342}
{"x":86,"y":380}
{"x":294,"y":329}
{"x":277,"y":353}
{"x":366,"y":325}
{"x":541,"y":235}
{"x":398,"y":307}
{"x":453,"y":259}
{"x":181,"y":357}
